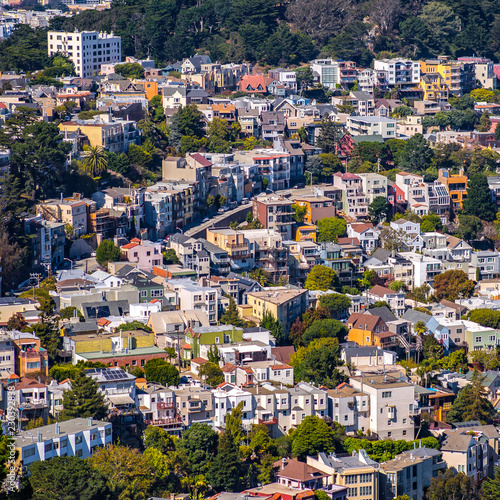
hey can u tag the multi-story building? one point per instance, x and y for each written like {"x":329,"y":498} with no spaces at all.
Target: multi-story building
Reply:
{"x":458,"y":76}
{"x":318,"y":207}
{"x":370,"y":79}
{"x":144,"y":253}
{"x":157,"y":406}
{"x":396,"y":300}
{"x":228,"y":396}
{"x":371,"y":125}
{"x":487,"y":262}
{"x":195,"y":405}
{"x":425,"y":268}
{"x":480,"y":338}
{"x":484,"y":70}
{"x":434,"y":87}
{"x":31,"y":357}
{"x":275,"y":212}
{"x":79,"y":437}
{"x":366,"y":234}
{"x":373,"y":185}
{"x":87,"y":50}
{"x":285,"y":304}
{"x":112,"y":134}
{"x":332,"y":256}
{"x":358,"y":472}
{"x":196,"y":337}
{"x":349,"y":407}
{"x":354,"y":200}
{"x":47,"y":240}
{"x":7,"y":356}
{"x":330,"y":73}
{"x":233,"y":242}
{"x":392,"y":402}
{"x":456,"y":184}
{"x":401,"y":72}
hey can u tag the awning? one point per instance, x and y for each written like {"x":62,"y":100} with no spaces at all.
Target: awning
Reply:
{"x":121,"y":399}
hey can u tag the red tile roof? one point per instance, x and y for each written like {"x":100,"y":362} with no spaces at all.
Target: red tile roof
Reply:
{"x":199,"y":361}
{"x":381,"y":291}
{"x":201,"y":160}
{"x":128,"y":246}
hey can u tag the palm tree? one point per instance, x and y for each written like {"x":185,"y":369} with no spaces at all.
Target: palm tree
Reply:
{"x":95,"y":161}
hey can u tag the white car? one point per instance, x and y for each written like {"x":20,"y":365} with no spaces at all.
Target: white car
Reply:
{"x":206,"y":219}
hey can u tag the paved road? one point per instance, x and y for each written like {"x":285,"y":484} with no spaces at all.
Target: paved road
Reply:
{"x":219,"y":220}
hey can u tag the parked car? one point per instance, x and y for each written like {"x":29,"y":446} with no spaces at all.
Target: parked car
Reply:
{"x":206,"y":219}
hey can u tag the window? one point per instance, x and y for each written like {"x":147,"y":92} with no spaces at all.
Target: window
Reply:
{"x":479,"y":340}
{"x":29,"y":452}
{"x":48,"y":447}
{"x":78,"y":439}
{"x":365,"y":478}
{"x":352,"y":492}
{"x":387,"y":394}
{"x":144,"y":293}
{"x":365,"y":490}
{"x":351,"y":479}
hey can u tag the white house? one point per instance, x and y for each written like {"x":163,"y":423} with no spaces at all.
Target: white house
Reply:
{"x":371,"y":125}
{"x":227,"y":397}
{"x":367,"y":235}
{"x":80,"y":437}
{"x":396,"y":300}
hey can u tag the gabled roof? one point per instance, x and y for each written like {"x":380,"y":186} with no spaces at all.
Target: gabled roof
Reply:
{"x":364,"y":321}
{"x":361,"y":228}
{"x":381,"y":291}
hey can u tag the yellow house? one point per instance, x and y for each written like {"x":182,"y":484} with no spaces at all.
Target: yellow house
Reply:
{"x":284,"y":304}
{"x":458,"y":76}
{"x":456,"y":184}
{"x":363,"y":329}
{"x":434,"y":87}
{"x":150,"y":87}
{"x":306,"y":233}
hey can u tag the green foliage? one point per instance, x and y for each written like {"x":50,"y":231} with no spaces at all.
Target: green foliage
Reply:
{"x":386,"y":449}
{"x":469,"y":228}
{"x":479,"y":202}
{"x":322,"y":278}
{"x":186,"y":122}
{"x":17,"y":322}
{"x":430,"y":223}
{"x":485,"y":317}
{"x":472,"y":403}
{"x":335,"y":303}
{"x":160,"y":371}
{"x":300,"y":213}
{"x":70,"y":478}
{"x":484,"y":122}
{"x":416,"y":155}
{"x":313,"y":436}
{"x":432,"y":348}
{"x":331,"y":228}
{"x":329,"y":136}
{"x":453,"y":285}
{"x":326,"y":328}
{"x":397,"y":286}
{"x":379,"y":209}
{"x":231,"y":315}
{"x":130,"y":326}
{"x":130,"y":70}
{"x":199,"y":442}
{"x":170,"y":257}
{"x":128,"y":473}
{"x":83,"y":399}
{"x":156,"y":437}
{"x":63,"y":372}
{"x":490,"y":489}
{"x":451,"y":485}
{"x":95,"y":161}
{"x":269,"y":322}
{"x":106,"y":252}
{"x":318,"y":363}
{"x":24,"y":50}
{"x":226,"y":470}
{"x":211,"y":373}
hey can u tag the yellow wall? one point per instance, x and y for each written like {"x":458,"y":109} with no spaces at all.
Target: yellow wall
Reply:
{"x":94,"y":133}
{"x":360,"y":337}
{"x":104,"y":343}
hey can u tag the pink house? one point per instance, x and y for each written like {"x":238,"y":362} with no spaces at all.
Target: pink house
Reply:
{"x":145,"y":253}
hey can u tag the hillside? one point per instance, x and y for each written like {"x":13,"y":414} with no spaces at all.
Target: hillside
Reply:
{"x":284,"y":33}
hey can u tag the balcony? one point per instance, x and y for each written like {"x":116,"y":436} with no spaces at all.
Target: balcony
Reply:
{"x":165,"y":406}
{"x":165,"y":422}
{"x":237,"y":245}
{"x":268,"y":421}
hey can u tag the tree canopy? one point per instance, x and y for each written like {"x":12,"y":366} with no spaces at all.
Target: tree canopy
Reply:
{"x":453,"y":285}
{"x":322,"y":278}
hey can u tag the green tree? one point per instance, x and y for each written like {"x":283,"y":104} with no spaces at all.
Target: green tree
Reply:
{"x":318,"y":363}
{"x":453,"y":285}
{"x":211,"y":373}
{"x":170,"y":257}
{"x":130,"y":70}
{"x":430,"y":223}
{"x":68,"y":478}
{"x":497,"y":132}
{"x":402,"y":112}
{"x":490,"y":489}
{"x":432,"y":348}
{"x":370,"y":279}
{"x":199,"y":442}
{"x":397,"y":286}
{"x":479,"y":202}
{"x":156,"y":437}
{"x":484,"y":122}
{"x":83,"y":399}
{"x":187,"y":121}
{"x":226,"y":469}
{"x":128,"y":473}
{"x":336,"y":304}
{"x":130,"y":326}
{"x":269,"y":322}
{"x":70,"y":312}
{"x":485,"y":317}
{"x":450,"y":485}
{"x":331,"y":228}
{"x":106,"y":252}
{"x":162,"y":372}
{"x":231,"y":315}
{"x":322,"y":278}
{"x":17,"y":322}
{"x":470,"y":227}
{"x":379,"y":209}
{"x":329,"y":136}
{"x":472,"y":403}
{"x":312,"y":436}
{"x":416,"y":155}
{"x":300,"y":213}
{"x":95,"y":161}
{"x":326,"y":328}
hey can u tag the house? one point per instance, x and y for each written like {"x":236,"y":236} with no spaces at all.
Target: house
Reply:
{"x":480,"y":337}
{"x":487,"y":263}
{"x":228,"y":396}
{"x":354,"y":200}
{"x":396,"y":300}
{"x":456,"y":184}
{"x":196,"y":337}
{"x":317,"y":207}
{"x":371,"y":125}
{"x":145,"y":253}
{"x":366,"y":234}
{"x":195,"y":404}
{"x":392,"y":403}
{"x":79,"y":437}
{"x":254,"y":84}
{"x":30,"y":356}
{"x":364,"y":327}
{"x":358,"y":472}
{"x":285,"y":304}
{"x":349,"y":407}
{"x":299,"y":475}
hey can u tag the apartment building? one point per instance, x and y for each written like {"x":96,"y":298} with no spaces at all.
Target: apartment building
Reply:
{"x":359,"y":473}
{"x":193,"y":296}
{"x":373,"y":185}
{"x":459,"y":76}
{"x":401,"y":72}
{"x":392,"y":402}
{"x":366,"y":234}
{"x":30,"y":356}
{"x":80,"y":437}
{"x":371,"y":125}
{"x":456,"y":184}
{"x":87,"y":50}
{"x":144,"y":253}
{"x":200,"y":338}
{"x":285,"y":304}
{"x":237,"y":246}
{"x":317,"y":207}
{"x":195,"y":405}
{"x":275,"y":212}
{"x":354,"y":200}
{"x":228,"y":396}
{"x":488,"y":263}
{"x":396,"y":300}
{"x":370,"y":79}
{"x":349,"y":407}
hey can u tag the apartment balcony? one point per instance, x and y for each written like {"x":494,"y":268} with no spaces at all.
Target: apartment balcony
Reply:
{"x":166,"y":422}
{"x":241,"y":256}
{"x":165,"y":405}
{"x":268,"y":421}
{"x":237,"y":245}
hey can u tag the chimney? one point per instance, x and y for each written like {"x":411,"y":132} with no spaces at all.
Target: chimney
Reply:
{"x":90,"y":422}
{"x":283,"y":463}
{"x":58,"y":428}
{"x":39,"y":437}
